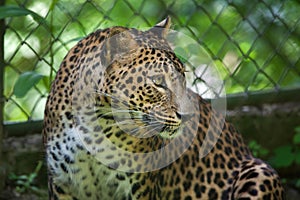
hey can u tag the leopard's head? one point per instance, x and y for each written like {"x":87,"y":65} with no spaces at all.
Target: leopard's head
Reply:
{"x":144,"y":82}
{"x":131,"y":98}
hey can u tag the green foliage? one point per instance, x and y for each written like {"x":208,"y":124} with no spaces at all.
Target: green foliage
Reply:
{"x":282,"y":157}
{"x":254,"y":45}
{"x":25,"y":183}
{"x":287,"y":155}
{"x":15,"y":11}
{"x":296,"y":139}
{"x":25,"y":82}
{"x":257,"y":150}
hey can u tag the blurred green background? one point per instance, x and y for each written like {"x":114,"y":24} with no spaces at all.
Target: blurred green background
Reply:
{"x":254,"y":44}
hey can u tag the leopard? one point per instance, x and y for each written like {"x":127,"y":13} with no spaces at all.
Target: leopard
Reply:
{"x":120,"y":123}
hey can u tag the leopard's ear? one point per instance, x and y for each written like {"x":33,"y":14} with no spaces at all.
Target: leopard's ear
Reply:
{"x":166,"y":23}
{"x":162,"y":28}
{"x":119,"y":42}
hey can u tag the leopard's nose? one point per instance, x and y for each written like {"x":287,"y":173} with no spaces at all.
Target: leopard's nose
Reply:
{"x":184,"y":116}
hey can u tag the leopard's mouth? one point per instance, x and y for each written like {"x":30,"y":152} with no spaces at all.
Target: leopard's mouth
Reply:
{"x":161,"y":126}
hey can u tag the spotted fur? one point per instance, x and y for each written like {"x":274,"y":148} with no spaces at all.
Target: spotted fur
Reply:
{"x":137,"y":74}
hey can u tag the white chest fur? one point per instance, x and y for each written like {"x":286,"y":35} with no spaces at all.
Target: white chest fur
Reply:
{"x":79,"y":173}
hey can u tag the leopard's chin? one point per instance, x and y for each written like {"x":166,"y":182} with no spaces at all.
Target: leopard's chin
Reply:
{"x":173,"y":132}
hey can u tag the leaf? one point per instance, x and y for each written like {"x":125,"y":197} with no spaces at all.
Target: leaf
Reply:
{"x":297,"y":129}
{"x":12,"y":176}
{"x":23,"y":177}
{"x":296,"y":138}
{"x":262,"y":152}
{"x":15,"y":11}
{"x":25,"y":82}
{"x":253,"y":145}
{"x":283,"y":157}
{"x":12,"y":11}
{"x":257,"y":149}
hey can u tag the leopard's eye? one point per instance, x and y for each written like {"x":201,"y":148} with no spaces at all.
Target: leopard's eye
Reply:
{"x":159,"y":80}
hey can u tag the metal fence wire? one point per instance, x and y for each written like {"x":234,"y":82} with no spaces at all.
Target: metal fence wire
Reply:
{"x":255,"y":45}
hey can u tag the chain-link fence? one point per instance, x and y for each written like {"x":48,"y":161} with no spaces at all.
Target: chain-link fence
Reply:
{"x":255,"y":45}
